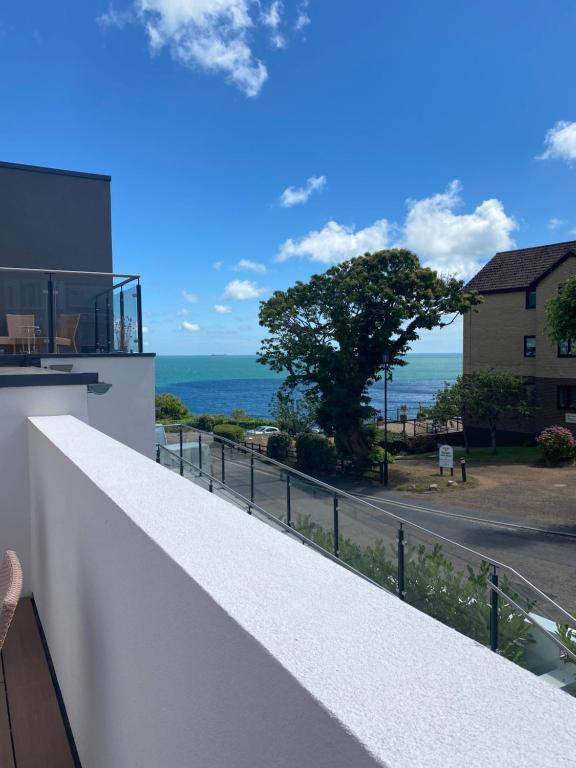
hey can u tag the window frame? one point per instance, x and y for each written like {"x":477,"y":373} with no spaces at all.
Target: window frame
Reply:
{"x":571,"y":344}
{"x":568,"y":388}
{"x":531,"y":336}
{"x":530,"y":292}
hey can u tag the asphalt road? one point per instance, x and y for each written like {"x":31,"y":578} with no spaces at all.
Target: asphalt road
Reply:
{"x":547,"y":560}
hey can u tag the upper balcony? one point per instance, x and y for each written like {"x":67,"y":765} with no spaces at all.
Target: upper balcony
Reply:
{"x":61,"y":312}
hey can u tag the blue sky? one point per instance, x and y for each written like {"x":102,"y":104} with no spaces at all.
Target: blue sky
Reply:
{"x":254,"y":143}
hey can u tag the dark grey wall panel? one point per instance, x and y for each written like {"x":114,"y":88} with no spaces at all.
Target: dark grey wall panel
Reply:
{"x":54,"y":219}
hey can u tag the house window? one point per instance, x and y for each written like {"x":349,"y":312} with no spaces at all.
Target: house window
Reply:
{"x":567,"y":349}
{"x":530,"y":393}
{"x":567,"y":398}
{"x":531,"y":299}
{"x":529,"y":346}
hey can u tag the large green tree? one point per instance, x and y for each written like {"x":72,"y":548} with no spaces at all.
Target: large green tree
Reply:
{"x":561,"y":313}
{"x":330,"y":333}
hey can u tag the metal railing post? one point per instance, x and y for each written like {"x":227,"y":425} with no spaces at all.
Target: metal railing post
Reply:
{"x":223,"y":464}
{"x":51,"y":333}
{"x":336,"y":528}
{"x":288,"y":502}
{"x":139,"y":316}
{"x":251,"y":478}
{"x":122,"y":343}
{"x":181,"y":454}
{"x":210,"y":486}
{"x":108,"y":324}
{"x":200,"y":452}
{"x":494,"y":611}
{"x":463,"y":468}
{"x":158,"y":453}
{"x":401,"y":569}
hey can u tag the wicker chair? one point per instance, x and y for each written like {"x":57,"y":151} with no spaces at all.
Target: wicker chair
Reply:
{"x":66,"y":332}
{"x":10,"y":590}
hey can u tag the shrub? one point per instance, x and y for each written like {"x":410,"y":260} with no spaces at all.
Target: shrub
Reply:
{"x":315,"y":455}
{"x":421,"y":444}
{"x":170,"y":408}
{"x":278,"y":445}
{"x":557,"y":444}
{"x":229,"y":431}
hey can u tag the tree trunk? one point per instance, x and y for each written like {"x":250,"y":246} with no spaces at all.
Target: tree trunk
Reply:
{"x":353,"y":441}
{"x":493,"y":440}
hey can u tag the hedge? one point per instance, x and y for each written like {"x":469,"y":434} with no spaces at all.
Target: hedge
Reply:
{"x":278,"y":446}
{"x":229,"y":431}
{"x":315,"y":455}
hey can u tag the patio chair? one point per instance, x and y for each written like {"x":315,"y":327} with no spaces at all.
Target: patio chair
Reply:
{"x":21,"y":331}
{"x":10,"y":590}
{"x":66,"y":331}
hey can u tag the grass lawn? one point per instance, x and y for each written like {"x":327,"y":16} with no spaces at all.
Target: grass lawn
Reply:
{"x":506,"y":455}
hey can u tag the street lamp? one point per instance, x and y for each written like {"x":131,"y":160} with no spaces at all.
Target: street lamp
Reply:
{"x":386,"y":361}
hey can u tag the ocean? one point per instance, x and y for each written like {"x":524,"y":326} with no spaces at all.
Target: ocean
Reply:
{"x":220,"y":383}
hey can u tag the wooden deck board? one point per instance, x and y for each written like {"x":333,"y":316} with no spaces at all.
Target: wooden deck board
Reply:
{"x":6,"y":756}
{"x":37,"y":728}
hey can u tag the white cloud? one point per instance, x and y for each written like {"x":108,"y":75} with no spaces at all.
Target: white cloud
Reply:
{"x":555,"y":223}
{"x":456,"y":243}
{"x":115,"y":18}
{"x":222,"y":309}
{"x":451,"y":242}
{"x":183,"y":312}
{"x":242,"y":290}
{"x":298,"y":195}
{"x":190,"y":327}
{"x":191,"y":298}
{"x":250,"y":266}
{"x":303,"y":19}
{"x":337,"y":242}
{"x":272,"y":18}
{"x":560,"y":142}
{"x":218,"y":265}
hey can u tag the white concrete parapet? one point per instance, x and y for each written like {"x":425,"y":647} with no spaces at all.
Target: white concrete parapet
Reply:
{"x":187,"y":633}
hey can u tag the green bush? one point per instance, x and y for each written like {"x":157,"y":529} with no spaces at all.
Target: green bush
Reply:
{"x":170,"y":408}
{"x":422,"y":444}
{"x":315,"y":455}
{"x":230,"y":432}
{"x":278,"y":445}
{"x":458,"y":598}
{"x":207,"y":421}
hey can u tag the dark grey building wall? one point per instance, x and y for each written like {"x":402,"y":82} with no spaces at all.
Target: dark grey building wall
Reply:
{"x":52,"y":219}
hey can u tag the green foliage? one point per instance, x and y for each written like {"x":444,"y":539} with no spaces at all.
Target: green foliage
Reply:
{"x":207,"y":421}
{"x":330,"y":333}
{"x":229,"y":431}
{"x":170,"y":408}
{"x":484,"y":397}
{"x":422,"y":444}
{"x":561,"y":313}
{"x":315,"y":455}
{"x":567,"y":636}
{"x":294,"y":412}
{"x":278,"y":446}
{"x":557,"y":444}
{"x":458,"y":598}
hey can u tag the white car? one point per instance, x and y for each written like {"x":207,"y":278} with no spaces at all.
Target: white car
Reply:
{"x":263,"y":431}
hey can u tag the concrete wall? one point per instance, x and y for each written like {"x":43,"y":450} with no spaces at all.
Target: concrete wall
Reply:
{"x":187,"y":633}
{"x":16,"y":404}
{"x":126,"y":412}
{"x":54,"y":219}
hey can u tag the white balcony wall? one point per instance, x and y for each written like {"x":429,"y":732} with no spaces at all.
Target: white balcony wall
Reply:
{"x":16,"y":404}
{"x":187,"y":633}
{"x":126,"y":412}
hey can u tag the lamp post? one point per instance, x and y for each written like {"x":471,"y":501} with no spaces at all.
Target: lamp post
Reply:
{"x":386,"y":361}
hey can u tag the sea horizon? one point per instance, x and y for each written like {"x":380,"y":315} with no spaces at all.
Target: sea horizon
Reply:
{"x":220,"y":383}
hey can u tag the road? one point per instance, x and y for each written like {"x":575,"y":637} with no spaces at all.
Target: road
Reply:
{"x":547,"y":560}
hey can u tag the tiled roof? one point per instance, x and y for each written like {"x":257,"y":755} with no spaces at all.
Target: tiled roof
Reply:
{"x":510,"y":270}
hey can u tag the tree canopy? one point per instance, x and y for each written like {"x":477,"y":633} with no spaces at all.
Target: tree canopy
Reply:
{"x":561,"y":313}
{"x":170,"y":408}
{"x":330,"y":333}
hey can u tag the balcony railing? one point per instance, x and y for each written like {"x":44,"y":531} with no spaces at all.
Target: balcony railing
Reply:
{"x":59,"y":312}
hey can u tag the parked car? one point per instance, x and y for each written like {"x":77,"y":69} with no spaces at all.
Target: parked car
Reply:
{"x":263,"y":431}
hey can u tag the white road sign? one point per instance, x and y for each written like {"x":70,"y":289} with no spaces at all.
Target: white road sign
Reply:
{"x":446,"y":457}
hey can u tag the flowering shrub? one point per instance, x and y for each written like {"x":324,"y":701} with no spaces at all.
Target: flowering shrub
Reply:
{"x":557,"y":444}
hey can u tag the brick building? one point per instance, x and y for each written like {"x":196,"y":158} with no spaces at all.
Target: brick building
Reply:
{"x":508,"y":333}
